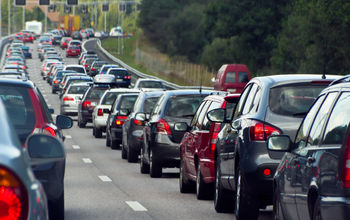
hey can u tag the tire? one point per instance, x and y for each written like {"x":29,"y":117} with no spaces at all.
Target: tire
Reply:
{"x":223,"y":198}
{"x":246,"y":205}
{"x":144,"y":168}
{"x":132,"y":155}
{"x":114,"y":143}
{"x":316,"y":215}
{"x":93,"y":131}
{"x":57,"y":209}
{"x":98,"y":133}
{"x":124,"y":153}
{"x":53,"y":91}
{"x":185,"y":185}
{"x":155,"y":168}
{"x":81,"y":123}
{"x":108,"y":141}
{"x":203,"y":190}
{"x":277,"y":213}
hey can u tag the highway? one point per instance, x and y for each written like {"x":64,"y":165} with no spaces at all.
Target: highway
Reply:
{"x":100,"y":185}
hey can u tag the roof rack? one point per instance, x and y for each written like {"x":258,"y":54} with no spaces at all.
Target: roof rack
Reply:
{"x":341,"y":80}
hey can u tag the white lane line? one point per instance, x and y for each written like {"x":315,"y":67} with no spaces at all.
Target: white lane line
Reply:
{"x":75,"y":147}
{"x":105,"y":178}
{"x":136,"y":206}
{"x":87,"y":160}
{"x":68,"y":137}
{"x":49,"y":105}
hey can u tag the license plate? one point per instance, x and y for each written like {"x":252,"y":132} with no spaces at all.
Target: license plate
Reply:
{"x":119,"y":80}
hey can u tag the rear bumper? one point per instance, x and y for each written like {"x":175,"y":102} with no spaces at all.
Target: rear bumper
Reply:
{"x":166,"y":152}
{"x":208,"y":169}
{"x":335,"y":207}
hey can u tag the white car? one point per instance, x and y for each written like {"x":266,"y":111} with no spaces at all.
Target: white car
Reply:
{"x":149,"y":84}
{"x":76,"y":68}
{"x":102,"y":109}
{"x":72,"y":97}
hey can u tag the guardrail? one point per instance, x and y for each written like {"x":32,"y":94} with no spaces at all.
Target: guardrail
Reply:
{"x":142,"y":75}
{"x":3,"y":45}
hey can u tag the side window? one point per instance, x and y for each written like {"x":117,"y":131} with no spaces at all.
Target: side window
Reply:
{"x":303,"y":131}
{"x":195,"y":117}
{"x":320,"y":120}
{"x":242,"y":100}
{"x":338,"y":121}
{"x":230,"y":77}
{"x":157,"y":108}
{"x":243,"y":77}
{"x":249,"y":103}
{"x":206,"y":123}
{"x":256,"y":100}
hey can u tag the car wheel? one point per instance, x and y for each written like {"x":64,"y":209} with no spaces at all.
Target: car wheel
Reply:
{"x":223,"y":198}
{"x":124,"y":153}
{"x":57,"y":209}
{"x":144,"y":168}
{"x":132,"y":155}
{"x":155,"y":168}
{"x":93,"y":131}
{"x":316,"y":215}
{"x":98,"y":133}
{"x":53,"y":91}
{"x":186,"y":185}
{"x":81,"y":123}
{"x":246,"y":205}
{"x":203,"y":190}
{"x":277,"y":214}
{"x":108,"y":141}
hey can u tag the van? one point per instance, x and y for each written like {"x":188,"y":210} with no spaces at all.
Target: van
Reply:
{"x":232,"y":78}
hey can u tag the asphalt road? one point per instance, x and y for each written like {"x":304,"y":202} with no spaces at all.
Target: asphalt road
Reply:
{"x":100,"y":185}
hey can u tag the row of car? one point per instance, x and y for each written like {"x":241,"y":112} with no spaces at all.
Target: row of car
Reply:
{"x":33,"y":158}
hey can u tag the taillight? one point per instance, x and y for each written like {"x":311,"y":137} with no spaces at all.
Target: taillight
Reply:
{"x":55,"y":82}
{"x":86,"y":104}
{"x":120,"y":120}
{"x":67,"y":98}
{"x":85,"y":65}
{"x":346,"y":165}
{"x":260,"y":131}
{"x":49,"y":131}
{"x":163,"y":127}
{"x":127,"y":77}
{"x":13,"y":196}
{"x":137,"y":122}
{"x":93,"y":69}
{"x":99,"y":112}
{"x":214,"y":136}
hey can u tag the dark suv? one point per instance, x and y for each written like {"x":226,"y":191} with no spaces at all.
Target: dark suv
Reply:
{"x":268,"y":106}
{"x":161,"y":142}
{"x":89,"y":101}
{"x":313,"y":178}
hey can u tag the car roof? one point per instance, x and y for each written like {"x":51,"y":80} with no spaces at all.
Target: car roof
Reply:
{"x":186,"y":92}
{"x":17,"y":82}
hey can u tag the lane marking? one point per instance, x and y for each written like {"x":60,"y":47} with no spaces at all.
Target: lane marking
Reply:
{"x":105,"y":178}
{"x":87,"y":160}
{"x":68,"y":137}
{"x":49,"y":105}
{"x":44,"y":95}
{"x":75,"y":147}
{"x":136,"y":206}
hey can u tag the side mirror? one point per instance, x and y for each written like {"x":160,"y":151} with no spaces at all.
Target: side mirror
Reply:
{"x":279,"y":143}
{"x":217,"y":115}
{"x":124,"y":112}
{"x":181,"y":126}
{"x":141,"y":116}
{"x":64,"y":122}
{"x":42,"y":146}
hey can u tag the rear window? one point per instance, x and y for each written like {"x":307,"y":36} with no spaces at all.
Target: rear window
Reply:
{"x":109,"y":98}
{"x":76,"y":69}
{"x":150,"y":84}
{"x":230,"y":77}
{"x":149,"y":104}
{"x":96,"y":93}
{"x":70,"y":81}
{"x":293,"y":100}
{"x":183,"y":106}
{"x":118,"y":72}
{"x":127,"y":102}
{"x":78,"y":89}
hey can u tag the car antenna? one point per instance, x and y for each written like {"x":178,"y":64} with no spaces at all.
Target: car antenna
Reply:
{"x":200,"y":86}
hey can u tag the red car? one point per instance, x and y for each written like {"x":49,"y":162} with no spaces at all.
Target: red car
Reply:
{"x":232,"y":78}
{"x":73,"y":51}
{"x":197,"y":148}
{"x":27,"y":37}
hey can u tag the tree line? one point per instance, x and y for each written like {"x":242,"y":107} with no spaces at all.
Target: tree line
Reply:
{"x":270,"y":36}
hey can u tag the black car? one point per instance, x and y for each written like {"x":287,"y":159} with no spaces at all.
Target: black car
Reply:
{"x":76,"y":35}
{"x":313,"y":179}
{"x":244,"y":168}
{"x":132,"y":128}
{"x":161,"y":143}
{"x":89,"y":101}
{"x":123,"y":104}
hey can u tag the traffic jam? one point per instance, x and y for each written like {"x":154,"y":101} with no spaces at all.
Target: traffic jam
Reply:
{"x":278,"y":142}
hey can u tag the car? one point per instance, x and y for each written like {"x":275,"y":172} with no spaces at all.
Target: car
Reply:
{"x":104,"y":68}
{"x":27,"y":52}
{"x":123,"y":104}
{"x":88,"y":53}
{"x":65,"y":78}
{"x":29,"y":114}
{"x":72,"y":97}
{"x":155,"y":84}
{"x":74,"y":79}
{"x":76,"y":35}
{"x":88,"y":62}
{"x":75,"y":43}
{"x":57,"y":78}
{"x":232,"y":78}
{"x":47,"y":65}
{"x":121,"y":75}
{"x":56,"y":39}
{"x":52,"y":70}
{"x":132,"y":128}
{"x":87,"y":56}
{"x":312,"y":179}
{"x":102,"y":109}
{"x":64,"y":42}
{"x":96,"y":66}
{"x":161,"y":143}
{"x":197,"y":147}
{"x":76,"y":68}
{"x":269,"y":105}
{"x":73,"y":51}
{"x":89,"y":101}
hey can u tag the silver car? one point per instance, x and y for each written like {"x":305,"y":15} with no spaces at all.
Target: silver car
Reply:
{"x":72,"y":97}
{"x":21,"y":195}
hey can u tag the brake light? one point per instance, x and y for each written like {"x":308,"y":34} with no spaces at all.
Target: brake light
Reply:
{"x":13,"y":196}
{"x":137,"y":122}
{"x":86,"y":104}
{"x":346,"y":165}
{"x":93,"y":69}
{"x":260,"y":131}
{"x":55,"y":82}
{"x":85,"y":65}
{"x":67,"y":98}
{"x":49,"y":131}
{"x":127,"y":77}
{"x":120,"y":120}
{"x":163,"y":127}
{"x":216,"y":131}
{"x":99,"y":112}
